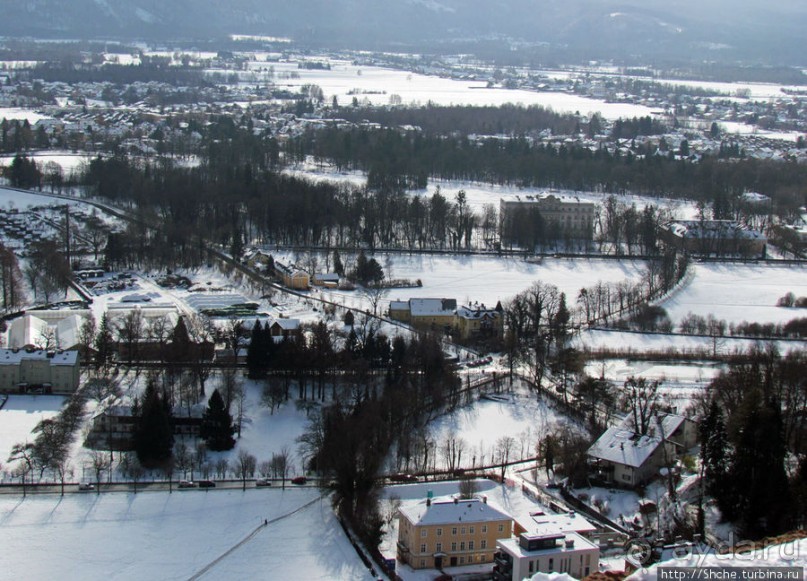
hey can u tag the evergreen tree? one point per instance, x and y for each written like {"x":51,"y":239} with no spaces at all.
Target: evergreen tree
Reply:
{"x":217,"y":424}
{"x":154,"y":437}
{"x":254,"y":352}
{"x":338,"y":266}
{"x":714,"y":450}
{"x":180,"y":342}
{"x":104,"y":342}
{"x":760,"y":499}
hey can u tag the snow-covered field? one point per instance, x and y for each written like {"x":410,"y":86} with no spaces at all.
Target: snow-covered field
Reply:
{"x":20,"y":415}
{"x":527,"y":417}
{"x":66,"y":160}
{"x":157,"y":535}
{"x":12,"y":113}
{"x":22,"y":200}
{"x":739,"y":292}
{"x":486,"y":279}
{"x":376,"y":84}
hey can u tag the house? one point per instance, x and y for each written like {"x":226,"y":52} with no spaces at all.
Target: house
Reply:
{"x":38,"y":371}
{"x":281,"y":329}
{"x":530,"y":553}
{"x":113,"y":428}
{"x":293,"y":277}
{"x":326,"y":279}
{"x":713,"y":237}
{"x":431,"y":314}
{"x":624,"y":456}
{"x":433,"y":535}
{"x":477,"y":321}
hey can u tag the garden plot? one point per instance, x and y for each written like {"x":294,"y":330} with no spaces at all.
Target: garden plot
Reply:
{"x":739,"y":292}
{"x":158,"y":535}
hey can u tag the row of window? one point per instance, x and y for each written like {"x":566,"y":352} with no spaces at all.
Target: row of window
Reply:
{"x":462,"y":560}
{"x":462,"y":530}
{"x":463,"y":546}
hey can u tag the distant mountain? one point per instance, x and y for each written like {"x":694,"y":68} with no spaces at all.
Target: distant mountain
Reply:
{"x":769,"y":31}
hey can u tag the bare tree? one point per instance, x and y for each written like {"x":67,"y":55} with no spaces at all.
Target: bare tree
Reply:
{"x":183,"y":459}
{"x":245,"y":464}
{"x":640,"y":399}
{"x":230,"y":384}
{"x":374,"y":295}
{"x":23,"y":454}
{"x":468,"y":487}
{"x":504,"y":448}
{"x":222,"y":466}
{"x":100,"y":463}
{"x":131,"y":331}
{"x":281,"y":465}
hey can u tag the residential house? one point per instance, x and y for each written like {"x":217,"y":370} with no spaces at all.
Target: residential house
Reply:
{"x":478,"y":322}
{"x":114,"y":427}
{"x":432,"y":314}
{"x":281,"y":329}
{"x":38,"y":371}
{"x":433,"y":535}
{"x":624,"y":456}
{"x":531,"y":553}
{"x":293,"y":277}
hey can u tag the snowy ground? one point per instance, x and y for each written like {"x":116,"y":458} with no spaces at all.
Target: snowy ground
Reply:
{"x":174,"y":536}
{"x":486,"y":279}
{"x":20,"y":415}
{"x":68,"y":161}
{"x":739,"y":292}
{"x":527,"y":417}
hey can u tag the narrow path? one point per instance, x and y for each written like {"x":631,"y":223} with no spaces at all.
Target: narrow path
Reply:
{"x":265,"y":524}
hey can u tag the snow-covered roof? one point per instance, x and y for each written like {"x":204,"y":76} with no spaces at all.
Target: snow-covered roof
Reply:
{"x":287,"y":324}
{"x":15,"y":356}
{"x":578,"y":542}
{"x":476,"y":312}
{"x":712,"y":229}
{"x":451,"y":512}
{"x":68,"y":330}
{"x":432,"y":307}
{"x":27,"y":330}
{"x":399,"y":305}
{"x":622,"y":445}
{"x":542,"y":523}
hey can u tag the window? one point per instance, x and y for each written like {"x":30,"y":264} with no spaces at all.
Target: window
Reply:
{"x":423,"y":532}
{"x":483,"y":544}
{"x":454,"y":531}
{"x":501,"y":528}
{"x":470,"y":545}
{"x":423,"y":562}
{"x":462,"y":531}
{"x":462,"y":560}
{"x":453,"y":547}
{"x":532,"y":567}
{"x":439,"y":532}
{"x":438,"y":547}
{"x":462,"y":545}
{"x":626,"y":477}
{"x":484,"y":528}
{"x":550,"y":563}
{"x":471,"y":530}
{"x":423,"y":548}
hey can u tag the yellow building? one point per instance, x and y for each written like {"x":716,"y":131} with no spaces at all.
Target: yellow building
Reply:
{"x":36,"y":371}
{"x":430,"y":314}
{"x":433,"y":535}
{"x":293,"y":277}
{"x":478,"y":322}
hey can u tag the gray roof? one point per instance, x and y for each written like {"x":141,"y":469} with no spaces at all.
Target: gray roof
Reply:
{"x":450,"y":512}
{"x":622,"y":445}
{"x":15,"y":356}
{"x":432,"y":307}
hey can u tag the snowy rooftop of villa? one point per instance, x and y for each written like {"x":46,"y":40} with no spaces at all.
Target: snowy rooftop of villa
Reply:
{"x":545,"y":197}
{"x":204,"y":300}
{"x":622,"y":445}
{"x":15,"y":356}
{"x":476,"y":312}
{"x":451,"y":511}
{"x":286,"y":324}
{"x":716,"y":229}
{"x":513,"y":547}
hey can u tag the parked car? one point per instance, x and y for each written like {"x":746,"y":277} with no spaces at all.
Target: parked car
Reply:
{"x":86,"y":486}
{"x":299,"y":480}
{"x":263,"y":482}
{"x":186,"y":484}
{"x":207,"y":484}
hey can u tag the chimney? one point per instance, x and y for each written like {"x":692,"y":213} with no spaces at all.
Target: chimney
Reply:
{"x":428,"y":502}
{"x":485,"y":498}
{"x":569,"y":543}
{"x":456,"y":500}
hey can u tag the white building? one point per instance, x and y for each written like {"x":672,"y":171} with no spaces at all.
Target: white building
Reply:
{"x":532,"y":553}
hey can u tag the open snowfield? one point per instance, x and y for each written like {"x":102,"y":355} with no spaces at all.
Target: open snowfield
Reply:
{"x":20,"y":415}
{"x":22,"y":200}
{"x":526,"y":417}
{"x":66,"y":160}
{"x":157,"y":535}
{"x":12,"y":113}
{"x":486,"y":279}
{"x":739,"y":292}
{"x":376,"y":84}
